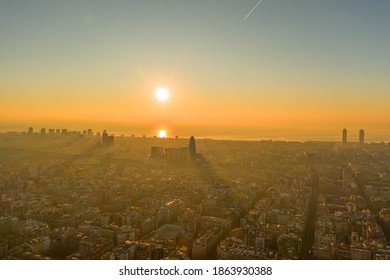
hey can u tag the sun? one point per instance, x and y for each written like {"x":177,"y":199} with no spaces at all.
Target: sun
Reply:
{"x":162,"y":94}
{"x":162,"y":133}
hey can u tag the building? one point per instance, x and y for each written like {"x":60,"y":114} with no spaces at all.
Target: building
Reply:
{"x":39,"y":245}
{"x":157,"y":254}
{"x":233,"y":251}
{"x":92,"y":248}
{"x":192,"y":149}
{"x":107,"y":140}
{"x":361,"y":136}
{"x":176,"y":155}
{"x":289,"y":246}
{"x":205,"y":244}
{"x":344,"y":136}
{"x":166,"y":236}
{"x":3,"y":247}
{"x":156,"y":152}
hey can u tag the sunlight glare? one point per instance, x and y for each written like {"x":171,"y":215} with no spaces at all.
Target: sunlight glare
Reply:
{"x":162,"y":133}
{"x":162,"y":94}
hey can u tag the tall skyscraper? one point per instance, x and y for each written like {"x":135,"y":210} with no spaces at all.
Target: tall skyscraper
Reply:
{"x":344,"y":136}
{"x":107,"y":140}
{"x":361,"y":136}
{"x":104,"y":137}
{"x":192,"y":149}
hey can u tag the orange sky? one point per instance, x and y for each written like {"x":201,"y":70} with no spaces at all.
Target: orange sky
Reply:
{"x":287,"y":66}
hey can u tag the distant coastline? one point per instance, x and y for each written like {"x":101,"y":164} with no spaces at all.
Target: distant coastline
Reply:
{"x":245,"y":134}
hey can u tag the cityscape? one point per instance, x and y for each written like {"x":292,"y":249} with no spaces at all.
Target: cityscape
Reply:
{"x":194,"y":130}
{"x":81,"y":195}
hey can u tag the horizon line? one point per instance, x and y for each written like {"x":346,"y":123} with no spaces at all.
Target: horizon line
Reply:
{"x":238,"y":137}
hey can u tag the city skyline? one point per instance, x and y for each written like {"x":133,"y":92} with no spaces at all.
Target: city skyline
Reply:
{"x":67,"y":197}
{"x":357,"y":136}
{"x":301,"y":70}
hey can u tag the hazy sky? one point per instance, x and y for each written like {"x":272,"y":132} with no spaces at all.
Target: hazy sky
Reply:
{"x":299,"y":64}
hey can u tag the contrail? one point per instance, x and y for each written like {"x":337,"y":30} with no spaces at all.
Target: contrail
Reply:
{"x":252,"y":10}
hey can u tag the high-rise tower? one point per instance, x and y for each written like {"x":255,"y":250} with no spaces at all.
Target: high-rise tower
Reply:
{"x":344,"y":136}
{"x":361,"y":136}
{"x":107,"y":140}
{"x":192,"y":149}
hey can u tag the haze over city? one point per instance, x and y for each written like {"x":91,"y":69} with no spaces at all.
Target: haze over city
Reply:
{"x":291,"y":70}
{"x":119,"y":123}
